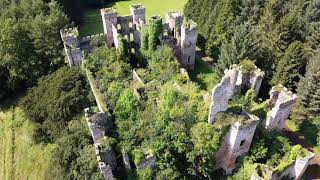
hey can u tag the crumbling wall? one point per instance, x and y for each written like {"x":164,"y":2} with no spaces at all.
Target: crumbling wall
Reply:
{"x":281,"y":103}
{"x":174,"y":21}
{"x":250,"y":80}
{"x":235,"y":143}
{"x":261,"y":172}
{"x":297,"y":169}
{"x":148,"y":162}
{"x":222,"y":92}
{"x":97,"y":123}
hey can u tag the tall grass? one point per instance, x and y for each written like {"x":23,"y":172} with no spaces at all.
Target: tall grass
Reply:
{"x":20,"y":157}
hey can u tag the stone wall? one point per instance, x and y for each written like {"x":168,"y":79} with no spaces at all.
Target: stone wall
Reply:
{"x":236,"y":143}
{"x":297,"y":169}
{"x":222,"y":92}
{"x":281,"y":103}
{"x":70,"y":38}
{"x":188,"y":45}
{"x":174,"y":21}
{"x":97,"y":123}
{"x":109,"y":19}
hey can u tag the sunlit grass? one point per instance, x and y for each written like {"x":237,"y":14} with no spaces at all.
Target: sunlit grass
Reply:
{"x":20,"y":157}
{"x":92,"y":23}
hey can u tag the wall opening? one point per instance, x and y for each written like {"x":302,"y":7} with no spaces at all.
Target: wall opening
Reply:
{"x":172,"y":32}
{"x":112,"y":45}
{"x":242,"y":142}
{"x":189,"y":59}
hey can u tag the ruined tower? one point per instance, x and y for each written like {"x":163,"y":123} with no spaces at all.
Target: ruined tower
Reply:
{"x":138,"y":13}
{"x":236,"y":143}
{"x":174,"y":20}
{"x":188,"y":45}
{"x":70,"y":38}
{"x":109,"y":20}
{"x":281,"y":102}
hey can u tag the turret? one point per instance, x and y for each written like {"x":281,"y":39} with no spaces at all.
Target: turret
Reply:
{"x":188,"y":44}
{"x":109,"y":20}
{"x":174,"y":20}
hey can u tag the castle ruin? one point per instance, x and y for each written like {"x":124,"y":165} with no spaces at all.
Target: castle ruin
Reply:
{"x":181,"y":37}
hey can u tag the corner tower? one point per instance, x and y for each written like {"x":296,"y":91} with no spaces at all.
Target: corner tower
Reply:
{"x":109,"y":20}
{"x":188,"y":44}
{"x":174,"y":20}
{"x":70,"y":38}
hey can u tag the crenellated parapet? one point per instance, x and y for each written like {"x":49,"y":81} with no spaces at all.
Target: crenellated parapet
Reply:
{"x":281,"y":103}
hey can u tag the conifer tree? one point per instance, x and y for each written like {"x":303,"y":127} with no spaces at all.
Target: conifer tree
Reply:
{"x":240,"y":47}
{"x":309,"y":91}
{"x":289,"y":66}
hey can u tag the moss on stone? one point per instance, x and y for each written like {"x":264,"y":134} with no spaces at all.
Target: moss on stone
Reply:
{"x":247,"y":66}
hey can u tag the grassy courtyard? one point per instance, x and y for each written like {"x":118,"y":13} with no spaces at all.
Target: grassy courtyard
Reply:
{"x":92,"y":23}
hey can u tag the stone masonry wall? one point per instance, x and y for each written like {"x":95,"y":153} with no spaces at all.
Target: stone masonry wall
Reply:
{"x":235,"y":143}
{"x":281,"y":102}
{"x":97,"y":123}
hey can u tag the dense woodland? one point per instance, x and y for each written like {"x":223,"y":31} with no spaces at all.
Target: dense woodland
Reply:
{"x":282,"y":37}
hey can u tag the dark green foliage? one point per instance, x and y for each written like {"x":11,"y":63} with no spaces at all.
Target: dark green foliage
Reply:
{"x":30,"y":42}
{"x":56,"y":99}
{"x":289,"y":66}
{"x":240,"y":47}
{"x":154,"y":32}
{"x":17,"y":57}
{"x":74,"y":156}
{"x":308,"y":92}
{"x":144,"y":38}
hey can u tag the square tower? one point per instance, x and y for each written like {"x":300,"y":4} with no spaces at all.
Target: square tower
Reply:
{"x":109,"y":20}
{"x":174,"y":20}
{"x":70,"y":38}
{"x":236,"y":143}
{"x":138,"y":13}
{"x":188,"y":44}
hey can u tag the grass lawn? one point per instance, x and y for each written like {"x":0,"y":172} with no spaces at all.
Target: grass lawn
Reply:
{"x":92,"y":23}
{"x":20,"y":157}
{"x":204,"y":75}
